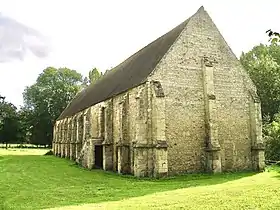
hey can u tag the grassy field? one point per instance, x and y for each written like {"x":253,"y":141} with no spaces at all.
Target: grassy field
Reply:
{"x":37,"y":182}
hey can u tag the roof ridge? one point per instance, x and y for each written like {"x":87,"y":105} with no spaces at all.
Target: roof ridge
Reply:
{"x":126,"y":75}
{"x":186,"y":23}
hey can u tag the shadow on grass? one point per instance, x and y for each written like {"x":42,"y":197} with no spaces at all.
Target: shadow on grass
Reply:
{"x":48,"y":181}
{"x":148,"y":185}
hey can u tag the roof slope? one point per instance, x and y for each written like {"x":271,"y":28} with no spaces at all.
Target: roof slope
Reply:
{"x":130,"y":73}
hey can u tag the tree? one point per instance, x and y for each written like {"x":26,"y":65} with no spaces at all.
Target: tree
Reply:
{"x":45,"y":100}
{"x":94,"y":75}
{"x":263,"y":66}
{"x":9,"y":123}
{"x":271,"y":133}
{"x":25,"y":120}
{"x":274,"y":37}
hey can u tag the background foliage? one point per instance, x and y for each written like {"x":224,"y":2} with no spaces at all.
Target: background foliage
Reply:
{"x":44,"y":101}
{"x":263,"y":65}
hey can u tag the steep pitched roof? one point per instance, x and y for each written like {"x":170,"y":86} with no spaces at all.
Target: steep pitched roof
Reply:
{"x":130,"y":73}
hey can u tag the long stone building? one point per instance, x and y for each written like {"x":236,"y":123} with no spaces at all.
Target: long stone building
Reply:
{"x":181,"y":104}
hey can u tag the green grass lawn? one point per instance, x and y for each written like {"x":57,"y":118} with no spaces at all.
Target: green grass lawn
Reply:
{"x":37,"y":182}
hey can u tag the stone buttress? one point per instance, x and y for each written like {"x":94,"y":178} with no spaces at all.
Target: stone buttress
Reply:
{"x":213,"y":155}
{"x":107,"y":143}
{"x":150,"y":146}
{"x":258,"y":158}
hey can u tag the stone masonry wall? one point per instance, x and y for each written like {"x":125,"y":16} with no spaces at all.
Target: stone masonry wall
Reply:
{"x":180,"y":73}
{"x":130,"y":129}
{"x":124,"y":130}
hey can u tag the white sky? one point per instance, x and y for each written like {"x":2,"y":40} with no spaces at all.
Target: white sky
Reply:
{"x":87,"y":33}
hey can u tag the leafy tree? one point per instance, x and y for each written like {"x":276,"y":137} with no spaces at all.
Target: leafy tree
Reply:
{"x":272,"y":139}
{"x":47,"y":98}
{"x":85,"y":83}
{"x":9,"y":123}
{"x":263,"y":66}
{"x":94,"y":75}
{"x":274,"y":37}
{"x":25,"y":119}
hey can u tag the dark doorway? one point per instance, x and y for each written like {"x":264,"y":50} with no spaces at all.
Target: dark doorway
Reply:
{"x":98,"y":154}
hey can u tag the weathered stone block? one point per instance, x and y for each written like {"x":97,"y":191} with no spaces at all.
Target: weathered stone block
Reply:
{"x":161,"y":162}
{"x":108,"y":157}
{"x":90,"y":156}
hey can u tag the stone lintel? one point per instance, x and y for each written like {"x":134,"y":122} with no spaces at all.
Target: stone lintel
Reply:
{"x":139,"y":145}
{"x":259,"y":146}
{"x":104,"y":143}
{"x":159,"y":144}
{"x":212,"y":149}
{"x":97,"y":141}
{"x":119,"y":144}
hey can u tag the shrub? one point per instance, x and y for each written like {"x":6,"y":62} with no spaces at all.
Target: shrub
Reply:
{"x":271,"y":133}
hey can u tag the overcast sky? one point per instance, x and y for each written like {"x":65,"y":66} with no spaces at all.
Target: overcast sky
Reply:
{"x":82,"y":34}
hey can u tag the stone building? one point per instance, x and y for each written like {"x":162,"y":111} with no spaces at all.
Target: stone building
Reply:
{"x":181,"y":104}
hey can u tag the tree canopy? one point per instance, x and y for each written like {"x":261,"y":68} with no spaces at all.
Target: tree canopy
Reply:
{"x":274,"y":37}
{"x":44,"y":101}
{"x":9,"y":122}
{"x":93,"y":76}
{"x":47,"y":98}
{"x":263,"y":66}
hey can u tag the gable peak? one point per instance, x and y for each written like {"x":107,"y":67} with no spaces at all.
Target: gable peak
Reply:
{"x":201,"y":9}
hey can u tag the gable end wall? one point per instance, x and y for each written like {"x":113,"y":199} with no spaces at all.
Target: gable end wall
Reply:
{"x":181,"y":75}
